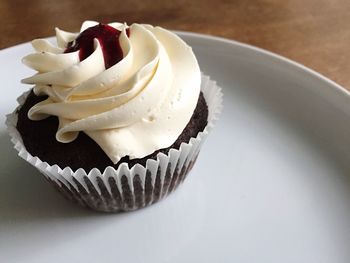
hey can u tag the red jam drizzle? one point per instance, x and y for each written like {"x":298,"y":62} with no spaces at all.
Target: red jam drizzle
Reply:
{"x":108,"y":38}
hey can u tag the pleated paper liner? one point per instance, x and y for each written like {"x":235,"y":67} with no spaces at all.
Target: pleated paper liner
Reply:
{"x":126,"y":188}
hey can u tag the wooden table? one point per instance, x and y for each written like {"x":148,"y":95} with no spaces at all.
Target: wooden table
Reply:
{"x":315,"y":33}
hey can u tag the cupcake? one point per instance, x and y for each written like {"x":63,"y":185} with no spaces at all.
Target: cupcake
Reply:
{"x":117,"y":114}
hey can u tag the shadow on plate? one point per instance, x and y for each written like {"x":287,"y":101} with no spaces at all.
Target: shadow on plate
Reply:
{"x":25,"y":194}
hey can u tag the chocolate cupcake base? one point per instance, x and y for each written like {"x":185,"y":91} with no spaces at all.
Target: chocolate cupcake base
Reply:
{"x":124,"y":188}
{"x":40,"y":140}
{"x":130,"y":198}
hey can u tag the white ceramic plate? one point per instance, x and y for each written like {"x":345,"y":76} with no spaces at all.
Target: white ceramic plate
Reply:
{"x":272,"y":183}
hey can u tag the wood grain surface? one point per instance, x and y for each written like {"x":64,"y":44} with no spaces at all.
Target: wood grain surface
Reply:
{"x":315,"y":33}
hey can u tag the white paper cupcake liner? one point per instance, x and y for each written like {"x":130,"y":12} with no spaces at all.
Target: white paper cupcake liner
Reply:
{"x":125,"y":188}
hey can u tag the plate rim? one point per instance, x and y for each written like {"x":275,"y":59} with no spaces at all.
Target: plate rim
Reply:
{"x":270,"y":54}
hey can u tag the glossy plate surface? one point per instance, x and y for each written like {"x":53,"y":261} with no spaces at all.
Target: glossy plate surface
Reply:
{"x":272,"y":182}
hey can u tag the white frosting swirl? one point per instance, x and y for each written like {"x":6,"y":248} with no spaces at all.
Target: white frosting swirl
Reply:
{"x":137,"y":106}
